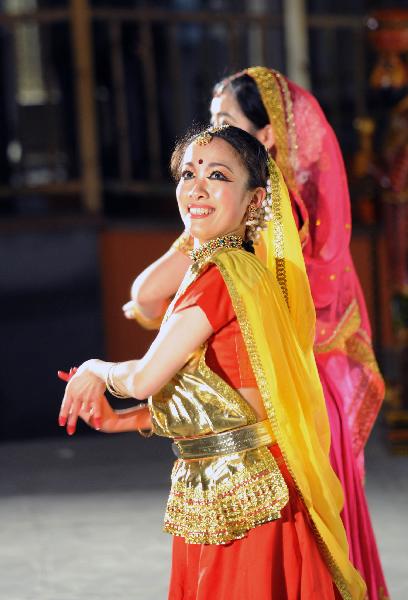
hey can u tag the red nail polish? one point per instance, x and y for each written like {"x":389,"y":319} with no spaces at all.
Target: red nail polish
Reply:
{"x":97,"y":423}
{"x":70,"y":430}
{"x":62,"y":421}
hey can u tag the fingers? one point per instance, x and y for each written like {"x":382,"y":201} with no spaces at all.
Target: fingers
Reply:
{"x":128,"y":309}
{"x":71,"y":410}
{"x":62,"y":375}
{"x":74,"y":406}
{"x":97,"y":415}
{"x":73,"y":418}
{"x":67,"y":376}
{"x":91,"y":414}
{"x":67,"y":415}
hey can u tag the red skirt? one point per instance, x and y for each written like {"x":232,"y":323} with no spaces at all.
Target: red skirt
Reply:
{"x":279,"y":560}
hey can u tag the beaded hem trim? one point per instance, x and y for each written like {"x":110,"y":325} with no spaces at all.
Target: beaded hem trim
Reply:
{"x":253,"y":493}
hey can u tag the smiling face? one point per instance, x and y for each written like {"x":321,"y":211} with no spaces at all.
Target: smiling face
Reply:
{"x":212,"y":193}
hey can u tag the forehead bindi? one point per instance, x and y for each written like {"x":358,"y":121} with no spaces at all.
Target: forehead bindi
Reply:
{"x":216,"y":152}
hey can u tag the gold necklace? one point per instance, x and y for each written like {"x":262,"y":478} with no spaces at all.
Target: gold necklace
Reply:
{"x":207,"y":249}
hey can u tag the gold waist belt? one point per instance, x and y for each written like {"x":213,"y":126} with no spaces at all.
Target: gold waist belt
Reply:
{"x":227,"y":442}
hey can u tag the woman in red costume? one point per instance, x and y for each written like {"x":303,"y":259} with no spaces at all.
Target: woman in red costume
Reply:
{"x":291,"y":125}
{"x":254,"y":503}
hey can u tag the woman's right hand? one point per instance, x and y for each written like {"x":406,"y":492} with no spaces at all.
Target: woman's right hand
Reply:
{"x":107,"y":418}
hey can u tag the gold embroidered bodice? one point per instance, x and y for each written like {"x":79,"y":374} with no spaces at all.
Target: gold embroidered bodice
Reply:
{"x":218,"y":499}
{"x":198,"y":402}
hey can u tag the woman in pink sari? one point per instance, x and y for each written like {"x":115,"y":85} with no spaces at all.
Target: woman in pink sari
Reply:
{"x":290,"y":123}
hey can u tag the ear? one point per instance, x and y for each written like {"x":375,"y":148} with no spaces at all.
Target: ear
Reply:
{"x":266,"y":136}
{"x":258,"y":195}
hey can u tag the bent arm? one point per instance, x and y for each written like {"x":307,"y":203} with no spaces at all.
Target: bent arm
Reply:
{"x":183,"y":333}
{"x":153,"y":288}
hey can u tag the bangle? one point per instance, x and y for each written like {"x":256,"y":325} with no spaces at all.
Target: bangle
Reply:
{"x":145,"y":322}
{"x":184,"y":243}
{"x":110,"y":385}
{"x":146,"y":433}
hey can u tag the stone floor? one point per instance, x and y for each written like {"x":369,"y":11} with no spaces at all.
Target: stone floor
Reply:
{"x":80,"y":518}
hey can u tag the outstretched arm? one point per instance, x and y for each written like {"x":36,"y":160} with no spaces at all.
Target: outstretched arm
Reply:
{"x":183,"y":333}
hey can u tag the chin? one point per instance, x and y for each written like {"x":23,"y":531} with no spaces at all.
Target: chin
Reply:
{"x":201,"y":233}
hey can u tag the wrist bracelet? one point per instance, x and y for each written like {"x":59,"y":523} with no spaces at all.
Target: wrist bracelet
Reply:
{"x":110,"y":385}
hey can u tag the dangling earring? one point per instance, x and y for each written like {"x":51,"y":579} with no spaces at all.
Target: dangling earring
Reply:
{"x":252,"y":215}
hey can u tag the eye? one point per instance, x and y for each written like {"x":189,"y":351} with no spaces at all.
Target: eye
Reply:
{"x":186,"y":174}
{"x":218,"y":176}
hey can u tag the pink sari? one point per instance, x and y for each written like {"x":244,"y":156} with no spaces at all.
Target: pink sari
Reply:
{"x":308,"y":154}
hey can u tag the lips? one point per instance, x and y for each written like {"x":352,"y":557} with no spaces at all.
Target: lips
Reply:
{"x":200,"y":212}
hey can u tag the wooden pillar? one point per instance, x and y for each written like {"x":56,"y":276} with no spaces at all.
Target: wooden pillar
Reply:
{"x":85,"y":97}
{"x":296,"y":42}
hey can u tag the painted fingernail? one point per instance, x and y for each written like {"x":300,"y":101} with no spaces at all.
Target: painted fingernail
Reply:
{"x":97,"y":423}
{"x":62,"y":421}
{"x":70,"y":430}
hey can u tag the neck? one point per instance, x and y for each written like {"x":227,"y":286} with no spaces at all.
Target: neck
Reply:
{"x":209,"y":247}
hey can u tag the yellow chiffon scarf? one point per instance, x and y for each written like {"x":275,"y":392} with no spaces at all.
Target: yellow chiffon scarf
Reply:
{"x":274,"y":307}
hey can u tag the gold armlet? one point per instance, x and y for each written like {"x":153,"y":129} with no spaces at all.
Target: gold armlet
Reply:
{"x":184,"y":243}
{"x":110,"y":384}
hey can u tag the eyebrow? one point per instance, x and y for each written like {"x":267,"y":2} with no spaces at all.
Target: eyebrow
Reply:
{"x":225,"y":114}
{"x":213,"y":164}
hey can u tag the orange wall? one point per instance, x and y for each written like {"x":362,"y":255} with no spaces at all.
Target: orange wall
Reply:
{"x":125,"y":253}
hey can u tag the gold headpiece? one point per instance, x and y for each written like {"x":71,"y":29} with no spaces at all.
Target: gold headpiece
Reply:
{"x":206,"y":136}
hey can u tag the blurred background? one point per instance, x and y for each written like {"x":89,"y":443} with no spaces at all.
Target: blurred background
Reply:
{"x":93,"y":94}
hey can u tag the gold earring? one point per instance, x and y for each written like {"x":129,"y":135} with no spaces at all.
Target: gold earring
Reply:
{"x":252,"y":214}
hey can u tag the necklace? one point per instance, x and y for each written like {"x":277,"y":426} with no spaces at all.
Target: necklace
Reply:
{"x":207,"y":249}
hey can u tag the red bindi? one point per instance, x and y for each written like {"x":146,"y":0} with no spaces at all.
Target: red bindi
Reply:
{"x":200,"y":161}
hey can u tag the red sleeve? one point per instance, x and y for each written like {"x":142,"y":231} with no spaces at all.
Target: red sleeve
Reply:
{"x":210,"y":293}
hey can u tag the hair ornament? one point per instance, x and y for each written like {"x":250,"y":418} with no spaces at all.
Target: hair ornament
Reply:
{"x":206,"y":136}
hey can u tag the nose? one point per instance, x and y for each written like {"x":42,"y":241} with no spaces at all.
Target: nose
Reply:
{"x":198,"y":191}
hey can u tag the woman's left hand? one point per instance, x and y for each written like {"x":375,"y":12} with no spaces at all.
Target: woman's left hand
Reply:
{"x":83,"y":393}
{"x":129,"y":309}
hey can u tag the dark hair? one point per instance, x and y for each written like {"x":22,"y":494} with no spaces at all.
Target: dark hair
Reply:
{"x":250,"y":151}
{"x":246,"y":92}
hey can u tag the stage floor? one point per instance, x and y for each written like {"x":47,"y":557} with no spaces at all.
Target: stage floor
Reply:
{"x":80,"y":518}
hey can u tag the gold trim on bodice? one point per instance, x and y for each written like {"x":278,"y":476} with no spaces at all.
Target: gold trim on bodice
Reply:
{"x":224,"y":443}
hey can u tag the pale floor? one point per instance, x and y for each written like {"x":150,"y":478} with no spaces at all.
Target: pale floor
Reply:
{"x":80,"y":519}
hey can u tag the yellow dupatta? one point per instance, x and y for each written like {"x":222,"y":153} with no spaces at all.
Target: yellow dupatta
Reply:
{"x":275,"y":311}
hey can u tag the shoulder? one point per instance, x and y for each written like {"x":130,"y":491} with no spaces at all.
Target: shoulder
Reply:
{"x":209,"y":292}
{"x":241,"y":264}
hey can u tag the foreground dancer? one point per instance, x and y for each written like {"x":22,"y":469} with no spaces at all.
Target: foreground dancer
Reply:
{"x":289,"y":122}
{"x":254,"y":503}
